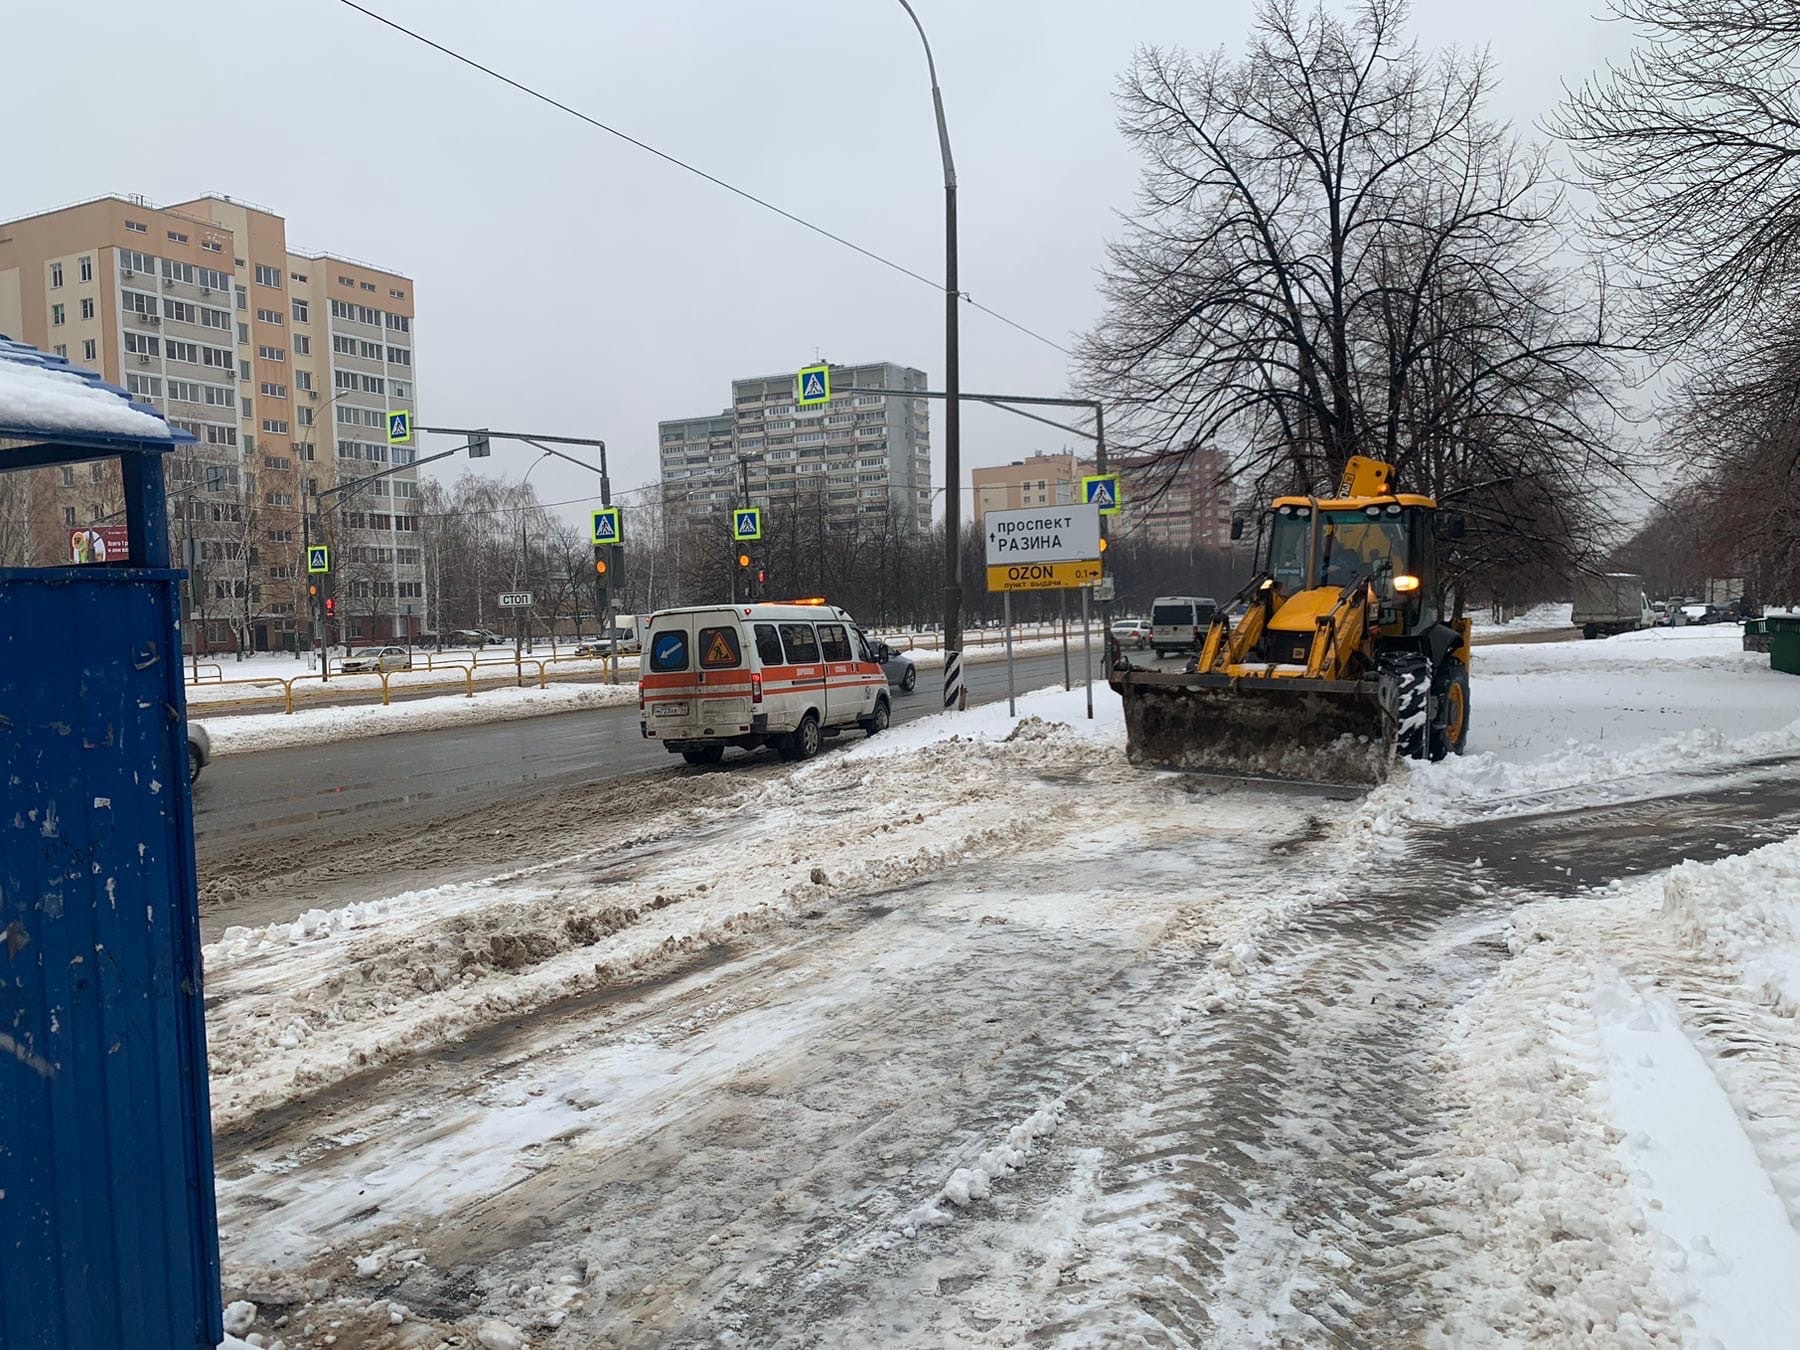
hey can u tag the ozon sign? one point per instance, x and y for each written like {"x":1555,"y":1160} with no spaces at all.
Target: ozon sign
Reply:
{"x":1048,"y":548}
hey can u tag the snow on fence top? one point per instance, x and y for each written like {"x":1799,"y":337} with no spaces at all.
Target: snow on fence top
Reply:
{"x":43,"y":397}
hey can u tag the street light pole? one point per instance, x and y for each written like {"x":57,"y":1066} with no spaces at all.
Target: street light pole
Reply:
{"x":953,"y":402}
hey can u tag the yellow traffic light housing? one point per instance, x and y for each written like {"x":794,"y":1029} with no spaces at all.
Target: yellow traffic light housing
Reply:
{"x":743,"y":560}
{"x":600,"y":567}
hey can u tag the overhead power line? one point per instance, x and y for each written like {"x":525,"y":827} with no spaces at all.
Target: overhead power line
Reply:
{"x":532,"y":92}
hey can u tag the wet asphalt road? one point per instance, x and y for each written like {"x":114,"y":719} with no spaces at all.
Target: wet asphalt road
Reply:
{"x":408,"y":777}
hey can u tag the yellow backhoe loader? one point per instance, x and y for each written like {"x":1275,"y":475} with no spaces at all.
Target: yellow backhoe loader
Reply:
{"x":1333,"y":661}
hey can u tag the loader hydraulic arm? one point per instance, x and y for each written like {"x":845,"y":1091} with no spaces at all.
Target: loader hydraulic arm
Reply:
{"x":1226,"y":646}
{"x":1342,"y":633}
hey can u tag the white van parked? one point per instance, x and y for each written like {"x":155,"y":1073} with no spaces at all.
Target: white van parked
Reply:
{"x":786,"y":675}
{"x":1178,"y":623}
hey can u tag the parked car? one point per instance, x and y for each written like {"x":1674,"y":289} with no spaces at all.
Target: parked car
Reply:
{"x":901,"y":673}
{"x":370,"y":660}
{"x":199,"y":750}
{"x":1132,"y":633}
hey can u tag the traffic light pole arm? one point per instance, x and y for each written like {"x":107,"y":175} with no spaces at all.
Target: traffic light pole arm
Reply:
{"x":355,"y":483}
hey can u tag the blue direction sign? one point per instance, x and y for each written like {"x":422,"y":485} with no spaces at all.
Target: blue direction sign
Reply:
{"x":399,"y":428}
{"x":746,"y":524}
{"x":318,"y":558}
{"x":1102,"y":490}
{"x":606,"y":525}
{"x":812,"y":386}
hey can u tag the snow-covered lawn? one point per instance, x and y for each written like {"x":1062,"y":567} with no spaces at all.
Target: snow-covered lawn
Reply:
{"x":314,"y":726}
{"x":1537,"y":619}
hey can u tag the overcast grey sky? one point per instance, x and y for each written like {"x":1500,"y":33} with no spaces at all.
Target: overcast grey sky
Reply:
{"x":571,"y":284}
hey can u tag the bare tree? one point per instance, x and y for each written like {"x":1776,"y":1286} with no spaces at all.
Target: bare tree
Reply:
{"x":1693,"y":150}
{"x":17,"y":501}
{"x":1335,"y":252}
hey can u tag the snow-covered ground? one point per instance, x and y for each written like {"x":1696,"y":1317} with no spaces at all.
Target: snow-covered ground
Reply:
{"x":1539,"y":618}
{"x":974,"y":1034}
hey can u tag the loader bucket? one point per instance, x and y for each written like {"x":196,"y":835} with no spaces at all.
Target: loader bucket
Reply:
{"x":1320,"y":731}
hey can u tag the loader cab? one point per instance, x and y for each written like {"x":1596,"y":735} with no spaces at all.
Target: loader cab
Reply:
{"x":1391,"y":540}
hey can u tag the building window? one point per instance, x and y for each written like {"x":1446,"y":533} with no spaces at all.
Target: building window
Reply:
{"x":178,"y":271}
{"x":272,"y":353}
{"x":220,"y":396}
{"x":243,"y":297}
{"x":214,"y":280}
{"x":219,"y":358}
{"x":245,"y":409}
{"x":372,"y":384}
{"x":182,"y":351}
{"x":89,"y":352}
{"x":68,"y":475}
{"x":176,"y":237}
{"x":346,"y":281}
{"x":180,"y":311}
{"x":302,"y":314}
{"x":274,"y":426}
{"x":62,"y":349}
{"x":141,"y":344}
{"x":303,"y":379}
{"x":68,"y":515}
{"x":401,"y":389}
{"x":268,"y":276}
{"x":244,"y":333}
{"x":399,"y":323}
{"x":302,"y":345}
{"x":87,"y":309}
{"x":87,"y":268}
{"x":183,"y":391}
{"x":399,"y":356}
{"x":136,"y":228}
{"x":215,"y":318}
{"x":144,"y":386}
{"x":272,"y":390}
{"x":368,"y":285}
{"x":269,"y":316}
{"x":243,"y":370}
{"x":212,"y":246}
{"x":56,"y":315}
{"x":55,"y":276}
{"x":369,"y":351}
{"x":304,"y":416}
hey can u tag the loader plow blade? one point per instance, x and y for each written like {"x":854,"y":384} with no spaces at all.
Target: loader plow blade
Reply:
{"x":1318,"y":731}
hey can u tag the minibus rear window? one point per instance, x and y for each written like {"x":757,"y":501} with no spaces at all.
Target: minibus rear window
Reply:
{"x":669,"y":651}
{"x":719,"y":648}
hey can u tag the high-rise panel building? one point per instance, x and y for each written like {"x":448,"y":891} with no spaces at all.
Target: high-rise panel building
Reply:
{"x":283,"y":364}
{"x":862,"y":459}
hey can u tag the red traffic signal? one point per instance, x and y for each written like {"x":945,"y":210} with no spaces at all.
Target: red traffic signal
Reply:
{"x":762,"y":575}
{"x":330,"y":605}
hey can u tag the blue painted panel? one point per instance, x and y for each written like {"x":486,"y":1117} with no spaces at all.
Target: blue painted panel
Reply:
{"x":107,"y":1228}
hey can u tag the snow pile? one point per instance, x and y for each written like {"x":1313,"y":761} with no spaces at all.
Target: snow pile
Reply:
{"x":311,"y":726}
{"x":1551,"y":615}
{"x":1626,"y":1169}
{"x":1747,"y":910}
{"x":36,"y":397}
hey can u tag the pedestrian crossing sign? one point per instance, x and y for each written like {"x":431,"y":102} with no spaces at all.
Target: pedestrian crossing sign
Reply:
{"x":606,"y":525}
{"x":399,"y":428}
{"x":746,"y":524}
{"x":1102,"y":490}
{"x":318,"y":558}
{"x":812,"y":386}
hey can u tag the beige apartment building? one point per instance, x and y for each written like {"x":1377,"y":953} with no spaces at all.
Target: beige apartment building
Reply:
{"x":283,"y":365}
{"x":1178,"y":502}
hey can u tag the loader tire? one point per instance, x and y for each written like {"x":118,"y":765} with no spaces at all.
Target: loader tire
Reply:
{"x":1450,"y":718}
{"x":1408,"y":678}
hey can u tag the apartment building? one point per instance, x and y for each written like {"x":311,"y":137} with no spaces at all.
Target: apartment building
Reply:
{"x":282,"y":363}
{"x":1041,"y":479}
{"x":861,"y":459}
{"x":1176,"y":501}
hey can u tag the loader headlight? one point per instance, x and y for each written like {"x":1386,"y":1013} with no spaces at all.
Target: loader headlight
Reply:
{"x":1405,"y":584}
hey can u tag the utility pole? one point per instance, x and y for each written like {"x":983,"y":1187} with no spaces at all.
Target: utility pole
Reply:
{"x":953,"y":405}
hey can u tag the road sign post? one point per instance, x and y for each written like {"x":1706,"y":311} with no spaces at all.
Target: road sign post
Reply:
{"x":1043,"y":548}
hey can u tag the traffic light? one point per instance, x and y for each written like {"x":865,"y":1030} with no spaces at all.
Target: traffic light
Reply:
{"x":744,"y":561}
{"x":330,"y":606}
{"x":762,"y":575}
{"x":312,"y":589}
{"x":599,"y":567}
